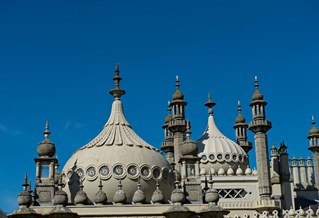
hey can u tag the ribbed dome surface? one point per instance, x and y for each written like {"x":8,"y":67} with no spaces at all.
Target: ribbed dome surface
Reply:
{"x":217,"y":151}
{"x":117,"y":153}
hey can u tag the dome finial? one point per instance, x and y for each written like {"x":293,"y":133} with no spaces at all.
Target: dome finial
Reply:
{"x":117,"y":92}
{"x":256,"y":82}
{"x":177,"y":82}
{"x":188,"y":130}
{"x":47,"y":133}
{"x":25,"y":182}
{"x":210,"y":104}
{"x":239,"y":107}
{"x":313,"y":122}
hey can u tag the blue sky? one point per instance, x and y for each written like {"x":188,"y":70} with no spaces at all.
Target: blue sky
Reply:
{"x":57,"y":60}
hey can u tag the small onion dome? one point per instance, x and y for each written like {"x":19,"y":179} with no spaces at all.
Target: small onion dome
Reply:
{"x":221,"y":171}
{"x":239,"y":171}
{"x":310,"y":211}
{"x":301,"y":212}
{"x":212,"y":171}
{"x":24,"y":198}
{"x":211,"y":196}
{"x":257,"y":94}
{"x":81,"y":198}
{"x":177,"y":196}
{"x":139,"y":195}
{"x":230,"y":171}
{"x":46,"y":148}
{"x":254,"y":173}
{"x":60,"y":197}
{"x":119,"y":196}
{"x":314,"y":130}
{"x":240,"y":119}
{"x":168,"y":118}
{"x":158,"y":196}
{"x":189,"y":147}
{"x":291,"y":212}
{"x":100,"y":196}
{"x":202,"y":171}
{"x":178,"y":95}
{"x":248,"y":171}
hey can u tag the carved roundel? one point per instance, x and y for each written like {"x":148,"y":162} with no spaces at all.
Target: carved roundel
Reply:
{"x":157,"y":173}
{"x":118,"y":171}
{"x":146,"y":171}
{"x":203,"y":158}
{"x":132,"y":171}
{"x":80,"y":173}
{"x":165,"y":173}
{"x":211,"y":157}
{"x":105,"y":171}
{"x":91,"y":173}
{"x":227,"y":157}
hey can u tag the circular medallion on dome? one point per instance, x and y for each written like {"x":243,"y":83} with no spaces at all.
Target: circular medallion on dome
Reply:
{"x":80,"y":173}
{"x":91,"y":173}
{"x":219,"y":156}
{"x":212,"y":157}
{"x":69,"y":174}
{"x":165,"y":173}
{"x":118,"y":171}
{"x":132,"y":171}
{"x":104,"y":171}
{"x":145,"y":172}
{"x":156,"y":171}
{"x":227,"y":157}
{"x":234,"y":157}
{"x":240,"y":158}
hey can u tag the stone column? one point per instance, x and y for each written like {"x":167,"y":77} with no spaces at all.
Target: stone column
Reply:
{"x":303,"y":176}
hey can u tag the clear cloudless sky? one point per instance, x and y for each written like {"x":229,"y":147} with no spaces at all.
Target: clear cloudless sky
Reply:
{"x":57,"y":60}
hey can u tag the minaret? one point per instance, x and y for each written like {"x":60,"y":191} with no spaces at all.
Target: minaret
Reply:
{"x":287,"y":201}
{"x":241,"y":131}
{"x":177,"y":125}
{"x":45,"y":170}
{"x":302,"y":170}
{"x":260,"y":126}
{"x":309,"y":171}
{"x":168,"y":145}
{"x":314,"y":147}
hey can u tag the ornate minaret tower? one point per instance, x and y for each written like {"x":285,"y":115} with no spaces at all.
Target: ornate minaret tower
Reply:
{"x":241,"y":131}
{"x":45,"y":170}
{"x":168,"y":145}
{"x":177,"y":125}
{"x":260,"y":126}
{"x":314,"y":147}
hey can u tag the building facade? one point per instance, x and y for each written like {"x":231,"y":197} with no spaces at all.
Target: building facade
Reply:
{"x":118,"y":174}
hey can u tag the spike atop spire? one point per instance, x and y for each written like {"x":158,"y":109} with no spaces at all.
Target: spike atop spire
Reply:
{"x":210,"y":104}
{"x":117,"y":92}
{"x":177,"y":82}
{"x":47,"y":133}
{"x":313,"y":122}
{"x":25,"y":183}
{"x":238,"y":107}
{"x":188,"y":130}
{"x":256,"y":82}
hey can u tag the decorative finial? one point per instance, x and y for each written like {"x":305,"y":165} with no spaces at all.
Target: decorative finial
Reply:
{"x":177,"y":82}
{"x":256,"y":82}
{"x":117,"y":92}
{"x":313,"y":122}
{"x":188,"y":130}
{"x":239,"y":107}
{"x":100,"y":185}
{"x":169,"y":108}
{"x":25,"y":182}
{"x":210,"y":104}
{"x":47,"y":133}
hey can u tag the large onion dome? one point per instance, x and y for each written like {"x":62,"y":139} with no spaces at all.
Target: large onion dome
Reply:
{"x":217,"y":151}
{"x":117,"y":153}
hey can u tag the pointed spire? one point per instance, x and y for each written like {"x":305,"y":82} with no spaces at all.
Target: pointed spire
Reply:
{"x":117,"y":92}
{"x":238,"y":107}
{"x":177,"y":83}
{"x":256,"y":83}
{"x":188,"y":130}
{"x":210,"y":104}
{"x":25,"y":183}
{"x":313,"y":122}
{"x":47,"y":133}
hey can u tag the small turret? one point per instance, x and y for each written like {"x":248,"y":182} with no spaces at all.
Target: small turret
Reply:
{"x":119,"y":196}
{"x":314,"y":147}
{"x":81,"y":197}
{"x":241,"y":131}
{"x":100,"y":196}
